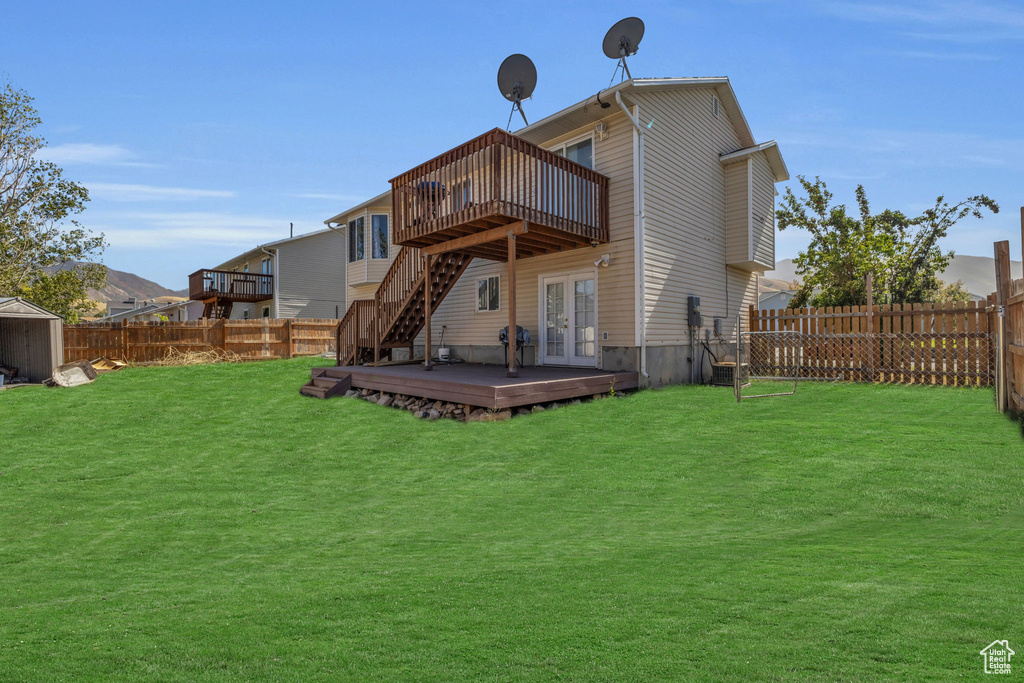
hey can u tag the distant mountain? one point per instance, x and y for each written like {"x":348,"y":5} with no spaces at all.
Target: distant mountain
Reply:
{"x":122,"y":286}
{"x":977,"y":272}
{"x":767,"y":285}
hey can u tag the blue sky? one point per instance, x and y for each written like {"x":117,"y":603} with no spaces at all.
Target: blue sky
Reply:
{"x":203,"y":129}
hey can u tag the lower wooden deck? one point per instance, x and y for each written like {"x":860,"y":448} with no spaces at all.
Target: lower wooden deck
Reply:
{"x":486,"y":386}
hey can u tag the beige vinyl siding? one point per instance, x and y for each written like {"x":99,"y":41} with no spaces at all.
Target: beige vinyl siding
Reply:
{"x":364,"y":276}
{"x":311,"y":277}
{"x":737,"y":213}
{"x":763,"y":214}
{"x":685,"y":214}
{"x":615,"y":284}
{"x":363,"y":292}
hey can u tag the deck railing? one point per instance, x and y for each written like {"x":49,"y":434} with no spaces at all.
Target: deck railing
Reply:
{"x":356,"y":330}
{"x":230,"y":286}
{"x":499,"y":174}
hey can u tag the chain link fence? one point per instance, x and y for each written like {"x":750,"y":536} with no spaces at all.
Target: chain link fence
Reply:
{"x":771,"y":360}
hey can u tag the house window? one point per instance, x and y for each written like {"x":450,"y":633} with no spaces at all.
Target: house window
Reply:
{"x":462,"y":195}
{"x":581,"y":152}
{"x":246,"y":268}
{"x":379,"y":229}
{"x":266,"y":311}
{"x":356,"y":247}
{"x":488,"y":294}
{"x":245,"y":314}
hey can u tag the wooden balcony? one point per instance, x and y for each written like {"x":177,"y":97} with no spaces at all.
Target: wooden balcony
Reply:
{"x":229,"y":286}
{"x":495,"y":180}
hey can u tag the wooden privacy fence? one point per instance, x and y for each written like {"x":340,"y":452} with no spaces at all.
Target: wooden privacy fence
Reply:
{"x":1008,"y":300}
{"x":942,"y":343}
{"x":143,"y":342}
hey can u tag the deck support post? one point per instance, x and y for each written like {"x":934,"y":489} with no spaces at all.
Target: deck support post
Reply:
{"x":427,"y":277}
{"x":513,"y":337}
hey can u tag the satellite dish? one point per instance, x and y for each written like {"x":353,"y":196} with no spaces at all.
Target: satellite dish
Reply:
{"x":517,"y":77}
{"x":623,"y":40}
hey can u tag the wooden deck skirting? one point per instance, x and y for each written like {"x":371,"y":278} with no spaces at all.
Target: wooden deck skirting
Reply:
{"x":486,"y":386}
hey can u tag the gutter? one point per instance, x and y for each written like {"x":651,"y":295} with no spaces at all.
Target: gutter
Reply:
{"x":638,"y":232}
{"x":277,"y":276}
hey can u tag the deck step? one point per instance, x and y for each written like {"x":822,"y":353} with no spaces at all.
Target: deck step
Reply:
{"x":322,"y":385}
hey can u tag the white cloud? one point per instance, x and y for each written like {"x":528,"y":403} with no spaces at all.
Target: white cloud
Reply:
{"x":949,"y":12}
{"x":332,"y":197}
{"x":195,"y":230}
{"x":91,"y":153}
{"x":961,"y":21}
{"x":145,"y":193}
{"x":912,"y":148}
{"x":946,"y":56}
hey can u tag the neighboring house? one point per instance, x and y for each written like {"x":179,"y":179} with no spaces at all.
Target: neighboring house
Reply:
{"x":118,"y":307}
{"x":617,"y":211}
{"x":122,"y":314}
{"x":176,"y":311}
{"x":776,"y":300}
{"x":297,"y":277}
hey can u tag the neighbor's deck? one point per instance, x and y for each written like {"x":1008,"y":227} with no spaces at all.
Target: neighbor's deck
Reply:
{"x":486,"y":386}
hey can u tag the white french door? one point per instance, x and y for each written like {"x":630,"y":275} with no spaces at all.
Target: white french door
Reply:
{"x":568,"y":324}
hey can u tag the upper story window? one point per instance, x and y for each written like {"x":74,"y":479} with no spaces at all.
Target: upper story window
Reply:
{"x":356,"y":245}
{"x":581,"y":152}
{"x":267,"y":266}
{"x":379,"y":230}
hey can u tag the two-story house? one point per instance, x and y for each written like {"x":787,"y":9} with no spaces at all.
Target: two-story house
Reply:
{"x":296,"y":277}
{"x":591,"y":228}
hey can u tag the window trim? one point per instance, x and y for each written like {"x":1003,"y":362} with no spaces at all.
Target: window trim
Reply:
{"x":352,"y":229}
{"x":387,"y":236}
{"x":576,"y":140}
{"x":476,"y":293}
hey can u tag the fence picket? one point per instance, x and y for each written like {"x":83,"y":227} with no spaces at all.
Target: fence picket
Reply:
{"x":946,"y":343}
{"x":146,"y":342}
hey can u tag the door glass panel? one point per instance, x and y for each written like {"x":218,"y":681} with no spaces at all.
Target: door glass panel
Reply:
{"x":555,"y":319}
{"x":583,"y":329}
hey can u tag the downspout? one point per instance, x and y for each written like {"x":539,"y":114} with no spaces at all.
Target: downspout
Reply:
{"x":641,"y":312}
{"x":276,"y":280}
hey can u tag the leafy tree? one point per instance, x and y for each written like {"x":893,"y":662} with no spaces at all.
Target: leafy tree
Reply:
{"x":951,"y":291}
{"x":39,"y":255}
{"x":901,"y":252}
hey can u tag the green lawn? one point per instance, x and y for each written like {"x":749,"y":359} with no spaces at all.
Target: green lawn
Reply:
{"x":208,"y":523}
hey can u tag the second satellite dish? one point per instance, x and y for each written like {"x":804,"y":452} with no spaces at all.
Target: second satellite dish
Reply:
{"x":517,"y":77}
{"x":623,"y":40}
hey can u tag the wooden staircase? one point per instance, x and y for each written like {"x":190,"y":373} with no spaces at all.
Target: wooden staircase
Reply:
{"x":396,"y":314}
{"x":326,"y":383}
{"x":217,"y":308}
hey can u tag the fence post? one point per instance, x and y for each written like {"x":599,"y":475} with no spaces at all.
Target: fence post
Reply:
{"x":288,"y":336}
{"x":1003,"y":369}
{"x":870,"y":327}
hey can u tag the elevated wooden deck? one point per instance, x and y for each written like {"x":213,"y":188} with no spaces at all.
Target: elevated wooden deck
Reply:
{"x":486,"y":386}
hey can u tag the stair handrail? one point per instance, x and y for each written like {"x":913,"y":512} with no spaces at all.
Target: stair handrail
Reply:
{"x":355,"y":330}
{"x":403,"y":276}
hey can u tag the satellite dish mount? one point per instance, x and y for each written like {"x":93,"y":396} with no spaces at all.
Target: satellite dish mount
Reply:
{"x":623,"y":40}
{"x":517,"y":77}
